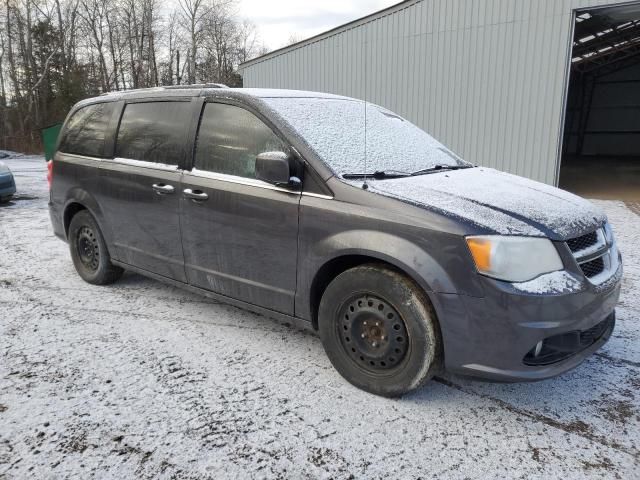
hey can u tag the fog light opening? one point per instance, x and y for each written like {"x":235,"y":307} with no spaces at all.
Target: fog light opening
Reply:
{"x":562,"y":346}
{"x":538,"y":349}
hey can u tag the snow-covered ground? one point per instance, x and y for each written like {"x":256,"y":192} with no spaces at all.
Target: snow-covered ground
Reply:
{"x":142,"y":380}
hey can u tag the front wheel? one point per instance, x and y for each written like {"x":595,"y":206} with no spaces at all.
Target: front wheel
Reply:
{"x":379,"y":330}
{"x":89,"y":251}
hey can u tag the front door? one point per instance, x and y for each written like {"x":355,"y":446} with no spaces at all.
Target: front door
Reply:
{"x":141,"y":187}
{"x":240,"y":234}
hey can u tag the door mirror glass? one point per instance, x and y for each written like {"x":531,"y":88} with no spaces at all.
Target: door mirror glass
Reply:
{"x":274,"y":167}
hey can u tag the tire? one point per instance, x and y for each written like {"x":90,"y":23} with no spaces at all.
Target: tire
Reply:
{"x":89,"y":251}
{"x":379,"y":331}
{"x":6,"y":199}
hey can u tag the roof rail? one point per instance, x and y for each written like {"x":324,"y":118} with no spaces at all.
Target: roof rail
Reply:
{"x":169,"y":87}
{"x":133,"y":90}
{"x":196,"y":85}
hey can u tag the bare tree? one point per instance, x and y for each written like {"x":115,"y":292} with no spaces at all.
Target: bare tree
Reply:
{"x":193,"y":14}
{"x":293,"y":39}
{"x":94,"y":14}
{"x":248,"y":43}
{"x":56,"y":52}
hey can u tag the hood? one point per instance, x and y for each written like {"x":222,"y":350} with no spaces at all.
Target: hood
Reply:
{"x":500,"y":202}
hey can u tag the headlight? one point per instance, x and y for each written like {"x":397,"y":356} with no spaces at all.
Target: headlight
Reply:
{"x":4,"y":168}
{"x":514,"y":259}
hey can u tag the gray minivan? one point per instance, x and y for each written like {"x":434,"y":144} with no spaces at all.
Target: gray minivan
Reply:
{"x":336,"y":212}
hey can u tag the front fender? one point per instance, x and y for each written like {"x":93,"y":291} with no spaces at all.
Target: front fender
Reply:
{"x":397,"y":251}
{"x":403,"y":254}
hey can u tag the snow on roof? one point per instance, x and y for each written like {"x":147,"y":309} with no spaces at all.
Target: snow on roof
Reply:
{"x":283,"y":93}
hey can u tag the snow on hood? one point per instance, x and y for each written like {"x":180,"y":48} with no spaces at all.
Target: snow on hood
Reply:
{"x":501,"y":202}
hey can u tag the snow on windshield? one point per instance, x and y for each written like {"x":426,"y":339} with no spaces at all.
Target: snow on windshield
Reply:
{"x":335,"y":129}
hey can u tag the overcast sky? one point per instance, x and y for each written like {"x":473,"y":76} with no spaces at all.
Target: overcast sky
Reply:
{"x":278,"y":20}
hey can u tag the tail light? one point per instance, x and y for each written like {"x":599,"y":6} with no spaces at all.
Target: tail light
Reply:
{"x":49,"y":173}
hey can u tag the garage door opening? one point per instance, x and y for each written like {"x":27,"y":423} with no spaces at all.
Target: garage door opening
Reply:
{"x":601,"y":149}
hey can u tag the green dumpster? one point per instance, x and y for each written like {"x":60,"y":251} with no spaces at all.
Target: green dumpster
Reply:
{"x":49,"y":140}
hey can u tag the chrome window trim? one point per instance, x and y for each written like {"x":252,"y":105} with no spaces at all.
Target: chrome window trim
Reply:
{"x":144,"y":164}
{"x":78,"y":156}
{"x":317,"y":195}
{"x":249,"y":182}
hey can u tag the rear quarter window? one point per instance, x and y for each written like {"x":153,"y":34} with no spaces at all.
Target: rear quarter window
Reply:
{"x":154,"y":132}
{"x":87,"y":130}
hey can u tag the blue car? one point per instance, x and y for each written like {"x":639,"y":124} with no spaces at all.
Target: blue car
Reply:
{"x":7,"y":183}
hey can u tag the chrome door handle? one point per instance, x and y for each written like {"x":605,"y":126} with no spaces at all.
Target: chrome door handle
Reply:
{"x":195,"y":195}
{"x":163,"y":189}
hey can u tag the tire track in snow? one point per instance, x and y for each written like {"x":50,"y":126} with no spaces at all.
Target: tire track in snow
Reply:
{"x":579,"y":428}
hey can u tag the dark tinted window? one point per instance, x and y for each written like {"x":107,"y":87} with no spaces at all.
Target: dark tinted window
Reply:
{"x":87,"y":129}
{"x":154,"y":132}
{"x":230,"y":138}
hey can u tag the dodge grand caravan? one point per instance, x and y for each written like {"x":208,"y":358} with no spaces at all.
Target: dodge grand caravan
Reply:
{"x":339,"y":213}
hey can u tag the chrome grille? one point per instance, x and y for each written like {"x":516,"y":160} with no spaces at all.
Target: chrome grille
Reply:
{"x":592,"y":268}
{"x":594,"y":255}
{"x":583,"y":242}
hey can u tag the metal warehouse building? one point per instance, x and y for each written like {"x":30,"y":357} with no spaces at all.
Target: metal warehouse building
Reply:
{"x":547,"y":89}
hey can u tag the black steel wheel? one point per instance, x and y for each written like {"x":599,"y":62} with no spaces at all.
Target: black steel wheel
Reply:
{"x":89,"y":251}
{"x":379,"y":330}
{"x":88,"y":248}
{"x":373,"y":333}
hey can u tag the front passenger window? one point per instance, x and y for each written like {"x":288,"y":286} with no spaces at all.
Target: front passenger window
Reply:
{"x":229,"y":140}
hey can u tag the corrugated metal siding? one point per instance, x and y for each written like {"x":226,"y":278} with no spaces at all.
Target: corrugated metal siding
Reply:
{"x":485,"y":77}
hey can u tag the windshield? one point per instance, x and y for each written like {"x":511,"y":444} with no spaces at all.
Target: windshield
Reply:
{"x":335,"y":129}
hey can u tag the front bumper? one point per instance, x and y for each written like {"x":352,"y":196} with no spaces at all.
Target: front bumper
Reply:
{"x":7,"y":185}
{"x":490,"y":337}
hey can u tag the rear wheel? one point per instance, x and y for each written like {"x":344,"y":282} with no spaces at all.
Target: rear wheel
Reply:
{"x":89,"y":251}
{"x":379,"y":330}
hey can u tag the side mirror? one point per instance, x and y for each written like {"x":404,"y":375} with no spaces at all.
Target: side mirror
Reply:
{"x":275,"y":168}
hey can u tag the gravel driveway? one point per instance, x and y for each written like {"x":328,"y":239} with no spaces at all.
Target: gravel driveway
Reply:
{"x":142,"y":380}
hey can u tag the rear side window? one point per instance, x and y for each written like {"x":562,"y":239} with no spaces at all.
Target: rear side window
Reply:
{"x":154,"y":132}
{"x":87,"y":130}
{"x":230,"y":138}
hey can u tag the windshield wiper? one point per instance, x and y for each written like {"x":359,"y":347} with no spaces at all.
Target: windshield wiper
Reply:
{"x":440,"y":168}
{"x":379,"y":175}
{"x":389,"y":174}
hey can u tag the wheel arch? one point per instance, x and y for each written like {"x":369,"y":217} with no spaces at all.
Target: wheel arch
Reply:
{"x":325,"y":259}
{"x":78,"y":200}
{"x":340,"y":264}
{"x":70,"y":211}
